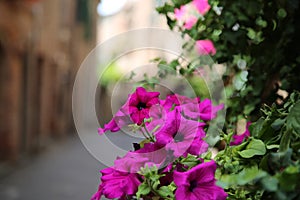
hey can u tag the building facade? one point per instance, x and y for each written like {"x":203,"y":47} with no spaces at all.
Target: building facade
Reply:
{"x":42,"y":44}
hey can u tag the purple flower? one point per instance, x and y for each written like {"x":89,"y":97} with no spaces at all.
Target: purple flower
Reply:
{"x":198,"y":183}
{"x":139,"y":104}
{"x":167,"y":179}
{"x":131,"y":162}
{"x":174,"y":100}
{"x":198,"y":146}
{"x":203,"y":110}
{"x":157,"y":113}
{"x":120,"y":119}
{"x":110,"y":126}
{"x":191,"y":110}
{"x":135,"y":110}
{"x":116,"y":184}
{"x":238,"y":139}
{"x":205,"y":47}
{"x":208,"y":111}
{"x":181,"y":135}
{"x":151,"y":154}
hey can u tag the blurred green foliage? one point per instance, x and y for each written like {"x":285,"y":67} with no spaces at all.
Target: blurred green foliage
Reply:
{"x":257,"y":41}
{"x":111,"y":75}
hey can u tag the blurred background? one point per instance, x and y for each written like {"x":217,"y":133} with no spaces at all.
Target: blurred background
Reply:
{"x":42,"y":44}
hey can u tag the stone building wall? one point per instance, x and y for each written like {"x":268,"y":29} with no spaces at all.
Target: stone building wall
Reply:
{"x":42,"y":44}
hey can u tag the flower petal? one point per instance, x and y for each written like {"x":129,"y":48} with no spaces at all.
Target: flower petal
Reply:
{"x":202,"y":6}
{"x":205,"y":47}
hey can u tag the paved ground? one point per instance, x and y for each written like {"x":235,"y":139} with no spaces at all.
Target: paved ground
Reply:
{"x":66,"y":171}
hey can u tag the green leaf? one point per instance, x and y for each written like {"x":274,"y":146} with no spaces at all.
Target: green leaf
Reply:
{"x":174,"y":64}
{"x":289,"y":178}
{"x":256,"y":128}
{"x":165,"y":191}
{"x":285,"y":141}
{"x":249,"y":108}
{"x":270,"y":183}
{"x":281,"y":13}
{"x":247,"y":175}
{"x":190,"y":161}
{"x":277,"y":124}
{"x":240,"y":79}
{"x":293,"y":118}
{"x":143,"y":189}
{"x":251,"y":34}
{"x":165,"y":9}
{"x":259,"y":21}
{"x":279,"y":160}
{"x":255,"y":147}
{"x":154,"y":183}
{"x":273,"y":146}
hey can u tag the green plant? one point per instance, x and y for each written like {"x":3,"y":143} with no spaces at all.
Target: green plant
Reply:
{"x":257,"y":41}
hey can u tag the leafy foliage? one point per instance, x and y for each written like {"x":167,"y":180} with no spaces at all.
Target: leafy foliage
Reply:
{"x":256,"y":40}
{"x":266,"y":166}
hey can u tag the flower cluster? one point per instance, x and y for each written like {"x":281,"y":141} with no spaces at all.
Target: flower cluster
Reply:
{"x":168,"y":163}
{"x":187,"y":16}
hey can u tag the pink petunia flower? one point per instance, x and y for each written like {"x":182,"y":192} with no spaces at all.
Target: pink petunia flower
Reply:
{"x":198,"y":183}
{"x":238,"y":139}
{"x":175,"y":100}
{"x":208,"y":111}
{"x":205,"y":47}
{"x":116,"y":184}
{"x":139,"y":104}
{"x":188,"y":14}
{"x":110,"y":126}
{"x":131,"y":162}
{"x":157,"y":113}
{"x":120,"y":119}
{"x":204,"y":110}
{"x":190,"y":22}
{"x":182,"y":136}
{"x":179,"y":13}
{"x":151,"y":154}
{"x":202,"y":6}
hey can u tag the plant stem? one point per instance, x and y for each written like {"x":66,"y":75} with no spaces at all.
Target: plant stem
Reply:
{"x":149,"y":134}
{"x":145,"y":134}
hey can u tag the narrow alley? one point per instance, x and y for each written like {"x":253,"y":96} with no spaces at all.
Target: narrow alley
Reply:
{"x":65,"y":171}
